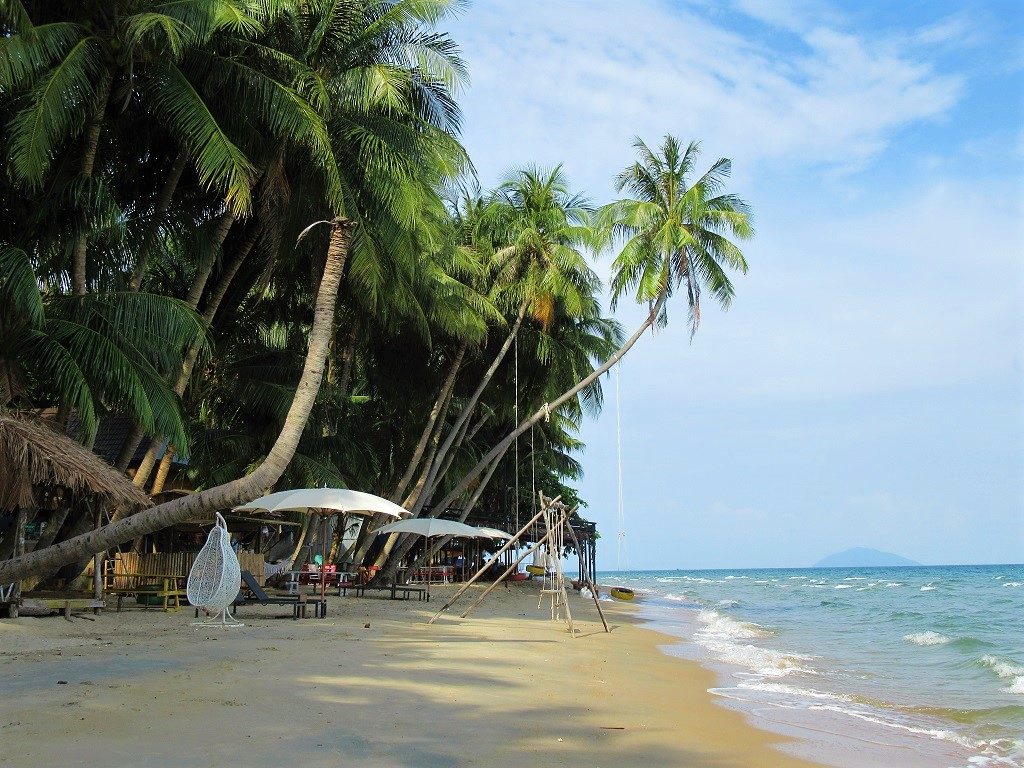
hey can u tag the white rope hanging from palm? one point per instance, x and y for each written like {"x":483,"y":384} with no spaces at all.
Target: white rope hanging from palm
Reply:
{"x":215,"y":577}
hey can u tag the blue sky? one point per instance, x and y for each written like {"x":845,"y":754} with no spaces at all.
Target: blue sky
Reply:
{"x":867,"y":387}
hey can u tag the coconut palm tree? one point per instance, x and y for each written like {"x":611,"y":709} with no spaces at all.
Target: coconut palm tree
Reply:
{"x":536,"y":228}
{"x":675,"y":232}
{"x":235,"y":492}
{"x":82,"y":352}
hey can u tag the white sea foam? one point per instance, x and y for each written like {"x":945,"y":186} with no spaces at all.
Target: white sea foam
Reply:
{"x":728,"y":603}
{"x":843,"y":586}
{"x":727,"y":628}
{"x":928,"y":588}
{"x":927,"y":638}
{"x":1006,"y":670}
{"x":935,"y":733}
{"x":1013,"y":584}
{"x":725,"y":636}
{"x":790,"y":690}
{"x":856,"y":578}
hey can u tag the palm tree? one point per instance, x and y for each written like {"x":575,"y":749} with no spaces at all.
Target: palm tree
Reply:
{"x":237,"y":491}
{"x":81,"y":352}
{"x":381,"y":81}
{"x":675,"y":233}
{"x":537,"y":227}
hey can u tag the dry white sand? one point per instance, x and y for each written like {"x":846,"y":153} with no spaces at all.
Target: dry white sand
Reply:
{"x":505,"y":687}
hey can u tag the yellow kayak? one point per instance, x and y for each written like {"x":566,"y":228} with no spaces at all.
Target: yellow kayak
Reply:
{"x":622,"y":593}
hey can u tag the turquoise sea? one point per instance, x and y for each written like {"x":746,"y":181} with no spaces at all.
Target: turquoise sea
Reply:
{"x":910,"y":666}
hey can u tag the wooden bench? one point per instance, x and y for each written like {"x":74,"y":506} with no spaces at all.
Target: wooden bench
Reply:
{"x":169,"y":588}
{"x":398,"y":591}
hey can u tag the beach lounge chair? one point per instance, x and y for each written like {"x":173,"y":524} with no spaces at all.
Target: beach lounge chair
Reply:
{"x":298,"y":602}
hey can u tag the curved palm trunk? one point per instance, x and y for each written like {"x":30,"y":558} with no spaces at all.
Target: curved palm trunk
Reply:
{"x":162,"y":471}
{"x":428,"y":430}
{"x":524,"y":425}
{"x":474,"y":398}
{"x":189,"y":363}
{"x":366,"y":536}
{"x":390,"y":568}
{"x":92,"y":142}
{"x":309,"y":525}
{"x":163,"y":202}
{"x":422,"y":495}
{"x":237,"y":491}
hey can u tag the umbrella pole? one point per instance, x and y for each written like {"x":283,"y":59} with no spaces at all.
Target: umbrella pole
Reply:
{"x":323,"y":569}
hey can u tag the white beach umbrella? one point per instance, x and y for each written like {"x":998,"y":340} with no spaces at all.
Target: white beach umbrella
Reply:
{"x":492,"y":533}
{"x":338,"y":499}
{"x":341,"y":500}
{"x":430,"y":527}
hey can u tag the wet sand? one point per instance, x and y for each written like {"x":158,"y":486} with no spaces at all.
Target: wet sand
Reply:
{"x":145,"y":688}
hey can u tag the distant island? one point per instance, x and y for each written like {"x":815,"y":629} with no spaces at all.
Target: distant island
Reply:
{"x":862,"y":557}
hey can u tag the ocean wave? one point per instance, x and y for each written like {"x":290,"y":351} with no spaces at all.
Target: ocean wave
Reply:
{"x":790,"y":690}
{"x":1006,"y":670}
{"x":728,"y":628}
{"x":927,"y":588}
{"x":1013,"y":583}
{"x":725,"y":636}
{"x":927,"y":638}
{"x":843,"y":586}
{"x":728,"y":603}
{"x":935,"y":733}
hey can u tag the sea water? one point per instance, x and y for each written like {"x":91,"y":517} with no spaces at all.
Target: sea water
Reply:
{"x":909,"y":666}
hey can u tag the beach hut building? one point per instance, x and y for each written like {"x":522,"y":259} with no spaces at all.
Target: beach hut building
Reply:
{"x":44,"y":476}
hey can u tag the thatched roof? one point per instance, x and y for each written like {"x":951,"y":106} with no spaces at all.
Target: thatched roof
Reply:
{"x":31,"y":454}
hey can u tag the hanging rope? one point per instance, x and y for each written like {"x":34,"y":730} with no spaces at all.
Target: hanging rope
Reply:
{"x":621,"y":535}
{"x":516,"y":387}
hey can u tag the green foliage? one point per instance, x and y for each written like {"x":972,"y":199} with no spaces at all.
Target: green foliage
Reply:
{"x":182,"y":147}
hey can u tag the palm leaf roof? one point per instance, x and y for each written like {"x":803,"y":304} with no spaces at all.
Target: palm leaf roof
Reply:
{"x":32,"y":454}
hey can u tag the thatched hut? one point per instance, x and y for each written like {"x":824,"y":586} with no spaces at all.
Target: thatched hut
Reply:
{"x":42,"y":470}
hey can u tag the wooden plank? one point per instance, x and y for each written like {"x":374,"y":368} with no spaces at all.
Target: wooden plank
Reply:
{"x":59,"y":603}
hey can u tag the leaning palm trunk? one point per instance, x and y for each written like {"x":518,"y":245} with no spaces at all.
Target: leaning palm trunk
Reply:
{"x":524,"y":425}
{"x":189,"y":363}
{"x":467,"y":409}
{"x":92,"y":142}
{"x":390,"y":568}
{"x":435,"y":412}
{"x":237,"y":491}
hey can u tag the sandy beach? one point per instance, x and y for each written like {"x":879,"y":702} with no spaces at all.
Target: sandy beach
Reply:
{"x":148,"y":689}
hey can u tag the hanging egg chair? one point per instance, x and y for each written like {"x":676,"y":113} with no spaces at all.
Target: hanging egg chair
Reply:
{"x":215,"y":577}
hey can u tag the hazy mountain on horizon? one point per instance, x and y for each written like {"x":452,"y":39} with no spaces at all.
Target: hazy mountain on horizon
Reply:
{"x":862,"y":557}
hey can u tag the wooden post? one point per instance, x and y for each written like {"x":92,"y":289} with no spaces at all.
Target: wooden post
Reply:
{"x":590,"y":584}
{"x":19,"y":549}
{"x":488,"y":564}
{"x":97,"y":563}
{"x":514,"y":565}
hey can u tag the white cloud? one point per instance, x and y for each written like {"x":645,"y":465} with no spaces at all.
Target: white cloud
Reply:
{"x":575,"y":81}
{"x":925,"y":292}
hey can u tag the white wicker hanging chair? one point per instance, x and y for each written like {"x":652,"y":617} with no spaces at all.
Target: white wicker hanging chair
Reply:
{"x":215,"y":577}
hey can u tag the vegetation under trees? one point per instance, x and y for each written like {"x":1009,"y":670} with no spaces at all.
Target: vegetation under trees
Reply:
{"x":162,"y":159}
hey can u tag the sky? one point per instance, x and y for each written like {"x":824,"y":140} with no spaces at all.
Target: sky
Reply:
{"x":866,"y":388}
